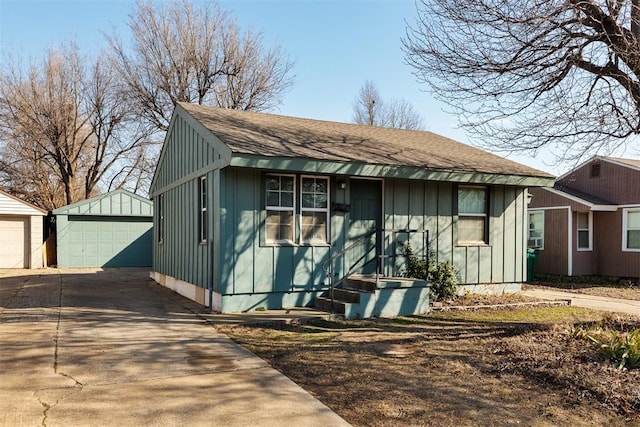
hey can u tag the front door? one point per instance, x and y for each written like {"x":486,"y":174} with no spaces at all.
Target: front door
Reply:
{"x":365,"y":217}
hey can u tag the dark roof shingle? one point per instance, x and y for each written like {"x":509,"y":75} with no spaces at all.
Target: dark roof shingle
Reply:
{"x":273,"y":135}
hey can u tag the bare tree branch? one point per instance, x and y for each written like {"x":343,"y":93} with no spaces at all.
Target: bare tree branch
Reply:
{"x":181,"y":52}
{"x":63,"y":127}
{"x":370,"y":109}
{"x":528,"y":74}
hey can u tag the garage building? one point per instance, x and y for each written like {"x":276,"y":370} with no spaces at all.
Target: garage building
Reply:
{"x":21,"y":228}
{"x":110,"y":230}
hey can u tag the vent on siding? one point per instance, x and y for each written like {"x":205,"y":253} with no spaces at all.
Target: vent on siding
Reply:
{"x":595,"y":170}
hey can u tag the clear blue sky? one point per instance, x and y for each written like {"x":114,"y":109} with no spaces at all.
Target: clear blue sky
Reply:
{"x":336,"y":46}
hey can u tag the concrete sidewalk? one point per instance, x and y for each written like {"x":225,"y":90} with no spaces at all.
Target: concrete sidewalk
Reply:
{"x":587,"y":301}
{"x":90,"y":347}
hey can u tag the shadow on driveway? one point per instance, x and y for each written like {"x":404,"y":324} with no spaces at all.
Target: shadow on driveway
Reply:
{"x":96,"y":347}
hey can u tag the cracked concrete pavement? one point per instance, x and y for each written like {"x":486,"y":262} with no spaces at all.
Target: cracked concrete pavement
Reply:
{"x":90,"y":347}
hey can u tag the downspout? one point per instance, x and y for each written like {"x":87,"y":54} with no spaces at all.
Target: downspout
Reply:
{"x":209,"y":260}
{"x":569,"y":242}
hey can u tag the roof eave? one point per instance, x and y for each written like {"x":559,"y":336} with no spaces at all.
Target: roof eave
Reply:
{"x":592,"y":206}
{"x":385,"y":171}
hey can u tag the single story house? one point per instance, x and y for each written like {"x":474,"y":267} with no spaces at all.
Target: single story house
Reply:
{"x":21,"y":233}
{"x":257,"y":210}
{"x":110,"y":230}
{"x":588,"y":223}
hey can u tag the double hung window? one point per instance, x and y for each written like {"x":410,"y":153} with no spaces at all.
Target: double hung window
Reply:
{"x":280,"y":206}
{"x":631,"y":229}
{"x":294,"y":216}
{"x":472,"y":215}
{"x":314,"y":209}
{"x":159,"y":203}
{"x":584,"y":220}
{"x":203,"y":209}
{"x":536,"y":230}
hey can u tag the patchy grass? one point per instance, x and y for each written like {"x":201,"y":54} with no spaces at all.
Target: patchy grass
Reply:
{"x":503,"y":367}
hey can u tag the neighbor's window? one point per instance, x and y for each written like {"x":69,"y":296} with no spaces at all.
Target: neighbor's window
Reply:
{"x":160,"y":207}
{"x":280,"y":207}
{"x":314,"y":209}
{"x":472,"y":215}
{"x":203,"y":209}
{"x":631,"y":230}
{"x":584,"y":231}
{"x":536,"y":230}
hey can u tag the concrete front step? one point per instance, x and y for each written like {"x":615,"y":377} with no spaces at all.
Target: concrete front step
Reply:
{"x":345,"y":295}
{"x":324,"y":304}
{"x":370,"y":284}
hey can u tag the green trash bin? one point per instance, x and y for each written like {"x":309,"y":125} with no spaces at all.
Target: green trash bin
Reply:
{"x":532,"y":259}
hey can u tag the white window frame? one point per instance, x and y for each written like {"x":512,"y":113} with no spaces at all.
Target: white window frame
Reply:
{"x":325,"y":210}
{"x":291,"y":209}
{"x":529,"y":229}
{"x":202,"y":189}
{"x":589,"y":230}
{"x":484,"y":216}
{"x":160,"y":205}
{"x":625,"y":228}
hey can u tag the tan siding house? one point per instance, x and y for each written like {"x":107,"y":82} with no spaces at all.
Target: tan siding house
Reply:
{"x":591,"y":220}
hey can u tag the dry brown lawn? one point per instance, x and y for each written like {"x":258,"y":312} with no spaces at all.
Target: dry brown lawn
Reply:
{"x":469,"y":368}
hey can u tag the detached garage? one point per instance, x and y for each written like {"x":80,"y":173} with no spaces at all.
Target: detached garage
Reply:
{"x":110,"y":230}
{"x":21,"y":226}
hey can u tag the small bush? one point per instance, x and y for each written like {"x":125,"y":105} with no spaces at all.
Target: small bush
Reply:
{"x":444,"y":282}
{"x":442,"y":277}
{"x":622,"y":349}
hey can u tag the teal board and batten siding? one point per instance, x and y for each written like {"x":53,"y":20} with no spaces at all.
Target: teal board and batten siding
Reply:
{"x":190,"y":152}
{"x":254,"y":274}
{"x":429,"y":205}
{"x":110,"y":230}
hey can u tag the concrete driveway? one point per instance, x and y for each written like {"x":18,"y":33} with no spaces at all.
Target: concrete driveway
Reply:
{"x":83,"y":347}
{"x":614,"y":305}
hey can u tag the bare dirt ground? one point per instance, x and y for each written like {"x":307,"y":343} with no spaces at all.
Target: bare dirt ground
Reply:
{"x":455,"y":368}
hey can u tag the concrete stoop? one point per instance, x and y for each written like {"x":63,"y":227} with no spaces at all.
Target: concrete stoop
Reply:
{"x":361,"y":297}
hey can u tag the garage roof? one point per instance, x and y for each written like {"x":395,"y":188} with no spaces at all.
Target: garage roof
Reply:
{"x":11,"y":205}
{"x":115,"y":203}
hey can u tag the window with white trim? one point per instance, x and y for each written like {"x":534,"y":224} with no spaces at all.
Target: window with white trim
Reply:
{"x":159,"y":203}
{"x":297,"y":217}
{"x":314,"y":209}
{"x":631,"y":229}
{"x":280,"y":207}
{"x":584,"y":235}
{"x":472,"y":215}
{"x":536,"y":230}
{"x":203,"y":209}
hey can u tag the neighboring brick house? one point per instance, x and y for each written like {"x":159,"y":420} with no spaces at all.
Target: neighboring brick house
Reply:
{"x":588,"y":223}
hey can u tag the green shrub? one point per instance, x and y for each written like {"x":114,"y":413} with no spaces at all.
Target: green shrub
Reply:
{"x":444,"y":282}
{"x":615,"y":339}
{"x":442,"y":277}
{"x":622,"y":349}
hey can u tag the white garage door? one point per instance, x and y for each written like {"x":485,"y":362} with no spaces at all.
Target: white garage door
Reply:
{"x":13,"y":242}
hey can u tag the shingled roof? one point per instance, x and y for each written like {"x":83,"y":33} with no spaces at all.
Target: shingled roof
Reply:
{"x":629,"y":162}
{"x":271,"y":135}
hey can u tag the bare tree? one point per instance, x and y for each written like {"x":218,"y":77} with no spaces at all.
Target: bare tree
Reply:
{"x":526,"y":74}
{"x":181,"y":52}
{"x":368,"y":105}
{"x":370,"y":109}
{"x":64,"y":128}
